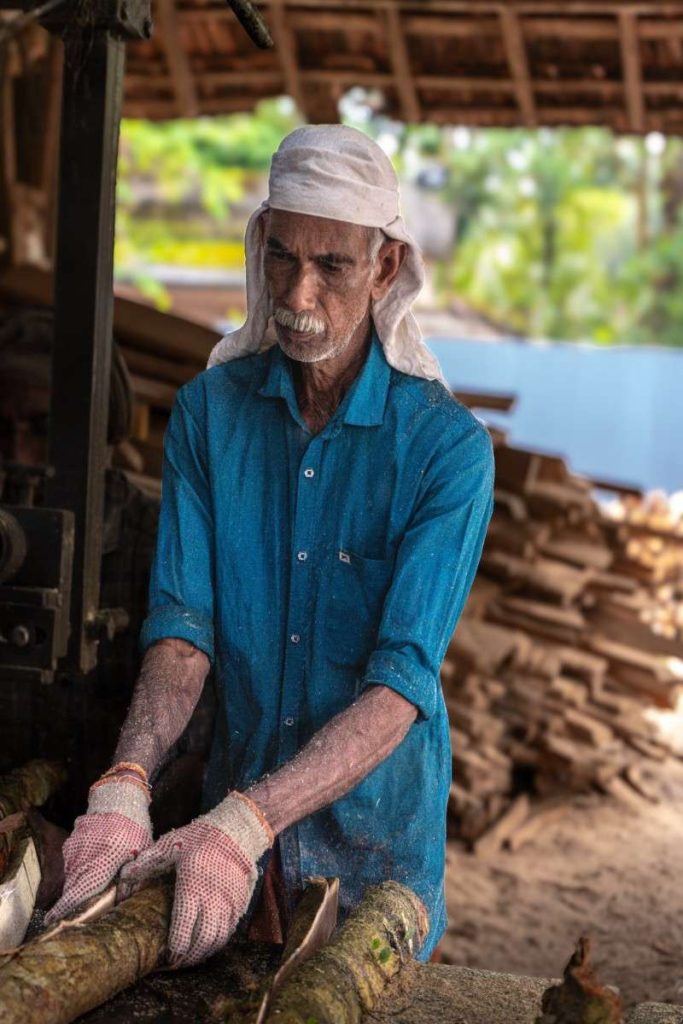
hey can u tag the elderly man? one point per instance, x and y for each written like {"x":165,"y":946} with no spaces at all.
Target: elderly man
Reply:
{"x":325,"y":502}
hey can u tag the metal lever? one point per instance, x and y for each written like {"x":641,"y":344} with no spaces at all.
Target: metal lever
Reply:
{"x":252,"y":22}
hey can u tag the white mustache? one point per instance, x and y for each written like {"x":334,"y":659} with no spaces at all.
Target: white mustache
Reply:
{"x":303,"y":323}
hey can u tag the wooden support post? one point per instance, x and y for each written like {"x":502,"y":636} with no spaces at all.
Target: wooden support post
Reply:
{"x":286,"y":49}
{"x":8,"y":156}
{"x":403,"y":75}
{"x":519,"y":66}
{"x":51,"y":143}
{"x":168,"y":25}
{"x":630,"y":59}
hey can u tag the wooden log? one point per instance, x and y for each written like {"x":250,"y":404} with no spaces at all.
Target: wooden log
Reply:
{"x":485,"y":399}
{"x":501,"y":830}
{"x":161,"y":369}
{"x":580,"y":999}
{"x":544,"y":814}
{"x":571,"y":691}
{"x":514,"y":538}
{"x":346,"y":978}
{"x":56,"y":979}
{"x":28,"y":786}
{"x":624,"y":793}
{"x":135,"y":323}
{"x":314,"y":922}
{"x":548,"y":622}
{"x":485,"y":647}
{"x":513,"y":504}
{"x":516,"y":468}
{"x":547,"y":500}
{"x":587,"y":729}
{"x":640,"y":672}
{"x":582,"y":665}
{"x":575,"y":549}
{"x":18,"y":891}
{"x":543,"y":576}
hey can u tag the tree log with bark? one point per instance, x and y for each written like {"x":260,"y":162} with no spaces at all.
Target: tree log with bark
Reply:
{"x":78,"y":966}
{"x":56,"y":978}
{"x":348,"y":976}
{"x":28,"y":786}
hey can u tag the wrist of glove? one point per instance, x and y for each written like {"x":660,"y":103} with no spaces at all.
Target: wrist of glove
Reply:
{"x":114,"y":830}
{"x":215,"y":860}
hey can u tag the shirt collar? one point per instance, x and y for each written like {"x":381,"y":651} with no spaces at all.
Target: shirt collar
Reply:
{"x":363,"y":405}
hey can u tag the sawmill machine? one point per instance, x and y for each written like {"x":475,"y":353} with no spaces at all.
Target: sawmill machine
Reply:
{"x":50,"y":556}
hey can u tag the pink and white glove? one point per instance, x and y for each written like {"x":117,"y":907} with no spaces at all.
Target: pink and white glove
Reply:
{"x":114,"y":830}
{"x":215,"y":859}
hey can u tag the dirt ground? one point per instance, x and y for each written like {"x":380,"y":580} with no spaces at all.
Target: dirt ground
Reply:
{"x":601,"y":867}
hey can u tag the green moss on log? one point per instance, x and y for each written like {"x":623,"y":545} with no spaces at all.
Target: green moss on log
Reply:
{"x":56,"y":980}
{"x":347,"y":977}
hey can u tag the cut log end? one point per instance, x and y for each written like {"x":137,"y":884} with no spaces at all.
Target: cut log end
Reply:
{"x":347,"y":977}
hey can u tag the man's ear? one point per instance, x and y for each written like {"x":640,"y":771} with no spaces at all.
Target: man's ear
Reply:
{"x":389,"y":260}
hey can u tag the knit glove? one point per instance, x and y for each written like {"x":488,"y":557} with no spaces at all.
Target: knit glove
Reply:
{"x":215,"y":859}
{"x":114,"y":829}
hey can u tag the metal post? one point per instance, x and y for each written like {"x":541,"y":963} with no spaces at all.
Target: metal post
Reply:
{"x":91,"y":112}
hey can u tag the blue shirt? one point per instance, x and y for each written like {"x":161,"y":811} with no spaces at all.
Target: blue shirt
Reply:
{"x":308,"y":567}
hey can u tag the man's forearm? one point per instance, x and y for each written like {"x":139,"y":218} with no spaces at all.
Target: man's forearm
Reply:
{"x":336,"y":759}
{"x":166,"y":693}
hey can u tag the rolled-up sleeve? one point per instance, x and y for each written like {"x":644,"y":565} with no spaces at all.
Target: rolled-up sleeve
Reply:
{"x":181,"y":596}
{"x":434,"y":570}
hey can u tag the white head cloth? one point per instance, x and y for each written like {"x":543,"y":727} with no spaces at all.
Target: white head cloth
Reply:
{"x":336,"y":172}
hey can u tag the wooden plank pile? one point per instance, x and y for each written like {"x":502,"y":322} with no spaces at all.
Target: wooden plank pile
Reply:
{"x":574,"y":629}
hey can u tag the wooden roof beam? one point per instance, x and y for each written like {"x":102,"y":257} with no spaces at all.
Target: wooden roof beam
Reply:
{"x":286,"y":49}
{"x":515,"y":51}
{"x":633,"y":79}
{"x":403,"y":75}
{"x":551,"y":116}
{"x":593,"y":29}
{"x":168,"y":24}
{"x":335,"y":21}
{"x":445,"y":25}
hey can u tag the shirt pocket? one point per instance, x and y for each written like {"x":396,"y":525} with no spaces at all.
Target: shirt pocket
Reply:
{"x":355,"y":589}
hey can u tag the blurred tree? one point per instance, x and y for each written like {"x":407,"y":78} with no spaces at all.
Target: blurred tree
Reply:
{"x":571,"y":233}
{"x":179,"y":180}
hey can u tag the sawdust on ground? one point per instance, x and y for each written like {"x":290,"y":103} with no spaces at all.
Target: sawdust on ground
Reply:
{"x":604,"y":868}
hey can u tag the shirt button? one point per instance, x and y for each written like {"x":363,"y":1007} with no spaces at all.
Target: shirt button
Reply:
{"x":295,"y":638}
{"x":289,"y":721}
{"x":309,"y":473}
{"x":302,"y":556}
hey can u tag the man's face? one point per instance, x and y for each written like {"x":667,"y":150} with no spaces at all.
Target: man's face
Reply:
{"x":320,"y":279}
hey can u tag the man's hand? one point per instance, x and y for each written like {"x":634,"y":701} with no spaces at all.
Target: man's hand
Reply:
{"x":114,"y":830}
{"x":215,"y":860}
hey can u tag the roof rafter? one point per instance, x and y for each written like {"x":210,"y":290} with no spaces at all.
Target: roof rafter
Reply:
{"x":287,"y":54}
{"x":633,"y":79}
{"x":515,"y":50}
{"x":177,"y":59}
{"x":400,"y":61}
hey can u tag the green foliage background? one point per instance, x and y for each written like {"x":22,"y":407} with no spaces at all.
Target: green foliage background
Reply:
{"x":572,"y":234}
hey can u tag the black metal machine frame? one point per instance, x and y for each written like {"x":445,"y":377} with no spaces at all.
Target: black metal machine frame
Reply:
{"x":94,"y":33}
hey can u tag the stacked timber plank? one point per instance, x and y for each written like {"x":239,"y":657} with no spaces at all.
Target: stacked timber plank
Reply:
{"x":572,"y":634}
{"x":160,"y":361}
{"x":161,"y":351}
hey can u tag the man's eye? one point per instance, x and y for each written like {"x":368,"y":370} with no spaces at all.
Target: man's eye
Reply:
{"x":277,"y":254}
{"x":330,"y":267}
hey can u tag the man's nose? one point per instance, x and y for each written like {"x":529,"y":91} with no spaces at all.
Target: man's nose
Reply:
{"x":302,"y":293}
